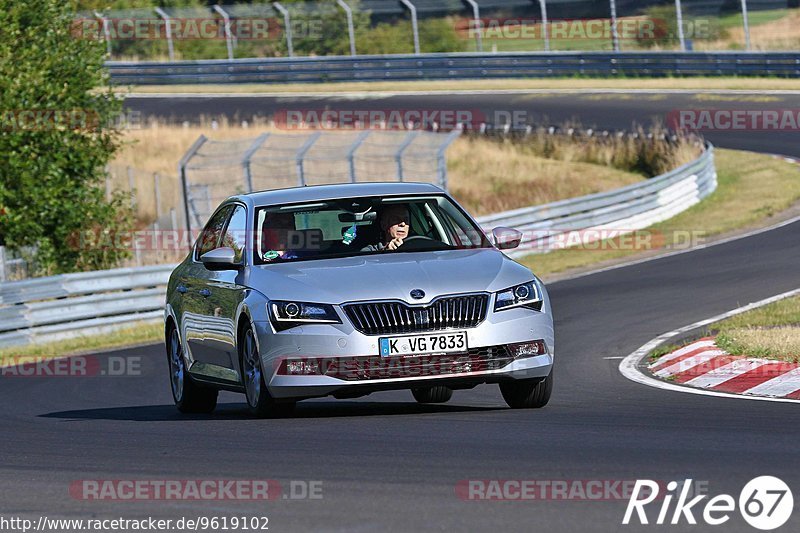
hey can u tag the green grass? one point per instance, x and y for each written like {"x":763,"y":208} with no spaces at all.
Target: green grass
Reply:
{"x":754,"y":18}
{"x":449,"y":86}
{"x":662,"y":350}
{"x":772,"y":332}
{"x":145,"y":333}
{"x":752,"y":188}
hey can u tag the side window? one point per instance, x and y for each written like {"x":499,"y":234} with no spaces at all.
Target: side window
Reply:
{"x":210,"y":236}
{"x":236,"y":232}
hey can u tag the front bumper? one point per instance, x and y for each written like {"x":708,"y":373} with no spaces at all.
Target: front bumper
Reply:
{"x":341,"y":342}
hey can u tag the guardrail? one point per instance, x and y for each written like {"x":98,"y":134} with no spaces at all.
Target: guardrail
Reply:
{"x":628,"y":208}
{"x":85,"y":303}
{"x":70,"y":305}
{"x":456,"y":66}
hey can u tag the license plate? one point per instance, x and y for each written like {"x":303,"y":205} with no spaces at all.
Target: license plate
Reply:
{"x":431,"y":343}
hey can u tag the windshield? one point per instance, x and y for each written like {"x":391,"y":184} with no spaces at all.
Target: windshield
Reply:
{"x":362,"y":226}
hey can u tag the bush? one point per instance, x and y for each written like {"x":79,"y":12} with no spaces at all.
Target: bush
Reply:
{"x":666,"y":35}
{"x":648,"y":152}
{"x":56,"y":137}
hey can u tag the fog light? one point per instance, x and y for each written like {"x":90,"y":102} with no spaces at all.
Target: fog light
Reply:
{"x":527,"y":349}
{"x":299,"y":367}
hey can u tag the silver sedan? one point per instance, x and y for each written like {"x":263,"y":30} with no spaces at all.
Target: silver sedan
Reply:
{"x":345,"y":290}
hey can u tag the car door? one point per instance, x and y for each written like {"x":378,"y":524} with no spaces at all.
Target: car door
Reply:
{"x":225,"y":292}
{"x":193,"y":287}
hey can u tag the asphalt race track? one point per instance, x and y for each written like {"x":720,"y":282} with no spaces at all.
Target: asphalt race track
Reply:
{"x":386,"y":463}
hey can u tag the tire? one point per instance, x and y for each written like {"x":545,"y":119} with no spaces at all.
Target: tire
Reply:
{"x":528,"y":393}
{"x":259,"y":401}
{"x":189,"y":396}
{"x":437,"y":394}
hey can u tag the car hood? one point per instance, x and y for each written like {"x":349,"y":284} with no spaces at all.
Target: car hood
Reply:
{"x":389,"y":276}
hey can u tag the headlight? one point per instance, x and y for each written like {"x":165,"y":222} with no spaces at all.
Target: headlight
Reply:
{"x":528,"y":295}
{"x":289,"y":314}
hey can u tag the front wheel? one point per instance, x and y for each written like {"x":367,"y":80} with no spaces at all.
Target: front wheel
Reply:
{"x":189,"y":397}
{"x":528,"y":393}
{"x":259,"y":401}
{"x":438,"y":394}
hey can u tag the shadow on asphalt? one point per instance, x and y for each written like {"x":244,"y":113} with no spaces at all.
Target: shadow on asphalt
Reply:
{"x":237,"y":411}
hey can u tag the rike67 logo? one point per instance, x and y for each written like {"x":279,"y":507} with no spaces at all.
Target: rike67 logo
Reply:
{"x":765,"y":503}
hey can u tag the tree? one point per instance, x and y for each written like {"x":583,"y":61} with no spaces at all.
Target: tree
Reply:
{"x":56,"y":135}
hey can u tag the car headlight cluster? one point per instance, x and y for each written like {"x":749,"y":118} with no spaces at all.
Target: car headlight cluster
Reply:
{"x":527,"y":295}
{"x":290,"y":314}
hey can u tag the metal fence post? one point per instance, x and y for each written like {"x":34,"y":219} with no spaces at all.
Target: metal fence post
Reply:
{"x":228,"y":37}
{"x":106,"y":31}
{"x":746,"y":23}
{"x":352,"y":151}
{"x":679,"y":15}
{"x":414,"y":29}
{"x":184,"y":182}
{"x":477,"y":24}
{"x":440,"y":159}
{"x":248,"y":176}
{"x":287,"y":22}
{"x":614,"y":34}
{"x":301,"y":154}
{"x":161,"y":13}
{"x":132,"y":186}
{"x":3,"y":275}
{"x":545,"y":28}
{"x":108,"y":184}
{"x":157,"y":190}
{"x":350,"y":29}
{"x":398,"y":156}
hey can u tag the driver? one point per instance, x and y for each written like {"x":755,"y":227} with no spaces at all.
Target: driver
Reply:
{"x":275,"y":236}
{"x":394,"y":222}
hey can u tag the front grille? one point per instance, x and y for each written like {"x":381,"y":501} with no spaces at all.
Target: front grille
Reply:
{"x":389,"y":318}
{"x":376,"y":367}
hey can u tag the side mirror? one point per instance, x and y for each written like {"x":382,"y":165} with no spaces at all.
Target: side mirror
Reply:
{"x":220,"y":259}
{"x":506,"y":238}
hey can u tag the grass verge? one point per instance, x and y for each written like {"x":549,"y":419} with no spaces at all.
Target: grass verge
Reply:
{"x":144,"y":333}
{"x":450,"y":86}
{"x":770,"y":332}
{"x":752,"y":189}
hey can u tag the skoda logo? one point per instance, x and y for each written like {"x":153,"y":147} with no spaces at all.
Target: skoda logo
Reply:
{"x":418,"y":294}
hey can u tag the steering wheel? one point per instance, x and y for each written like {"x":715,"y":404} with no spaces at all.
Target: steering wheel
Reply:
{"x":419,"y":243}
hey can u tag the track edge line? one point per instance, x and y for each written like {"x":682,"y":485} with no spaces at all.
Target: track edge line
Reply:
{"x":629,"y":366}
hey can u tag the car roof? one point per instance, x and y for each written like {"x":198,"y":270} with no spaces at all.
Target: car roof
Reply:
{"x":315,"y":193}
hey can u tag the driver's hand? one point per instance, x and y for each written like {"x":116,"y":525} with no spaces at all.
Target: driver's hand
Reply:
{"x":394,"y":244}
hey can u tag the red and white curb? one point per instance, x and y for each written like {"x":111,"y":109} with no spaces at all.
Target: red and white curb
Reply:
{"x":708,"y":383}
{"x":704,"y":365}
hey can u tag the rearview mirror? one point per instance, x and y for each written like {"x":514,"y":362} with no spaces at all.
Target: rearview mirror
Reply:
{"x":358,"y":217}
{"x":220,"y":259}
{"x":506,"y":238}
